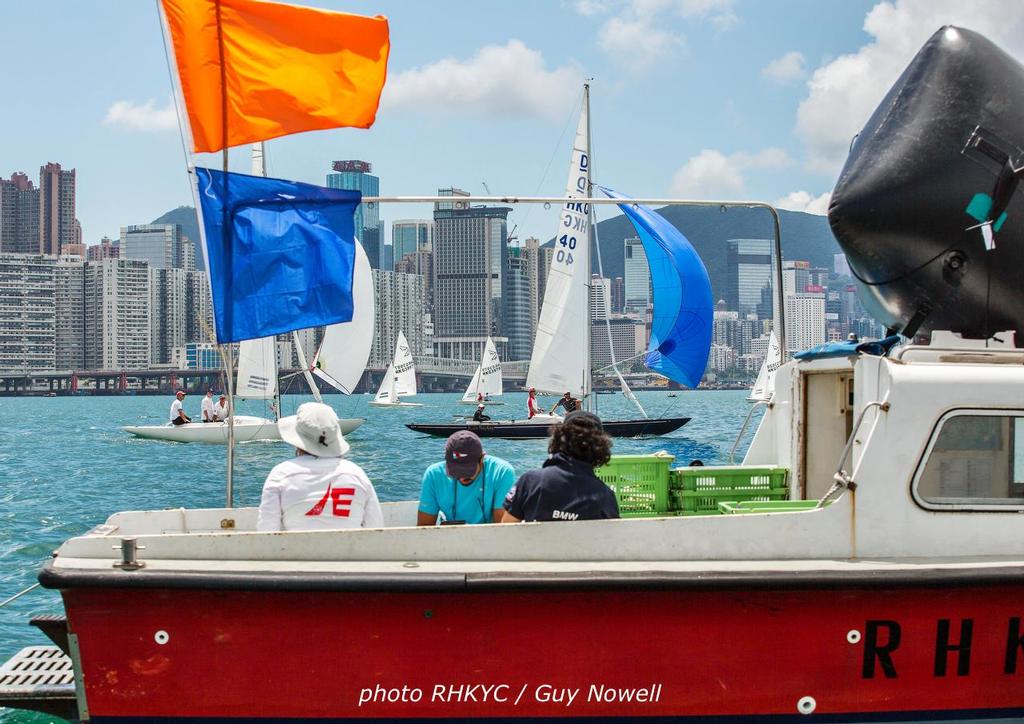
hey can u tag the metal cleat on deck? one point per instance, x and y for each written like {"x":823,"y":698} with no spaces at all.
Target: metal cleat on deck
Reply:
{"x":39,"y":678}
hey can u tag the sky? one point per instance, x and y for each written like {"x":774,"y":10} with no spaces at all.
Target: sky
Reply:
{"x":715,"y":99}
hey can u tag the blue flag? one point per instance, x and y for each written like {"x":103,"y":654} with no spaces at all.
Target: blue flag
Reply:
{"x":280,"y":254}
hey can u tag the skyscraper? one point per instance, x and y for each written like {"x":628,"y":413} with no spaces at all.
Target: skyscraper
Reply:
{"x":106,"y":249}
{"x":19,"y":215}
{"x":168,"y":313}
{"x":749,"y":265}
{"x":618,"y":295}
{"x":637,"y":282}
{"x":399,"y":300}
{"x":805,"y":321}
{"x":533,"y":255}
{"x":27,"y":316}
{"x":600,"y":297}
{"x":356,"y":176}
{"x":411,"y":235}
{"x":519,"y":310}
{"x":69,"y":302}
{"x":117,"y":317}
{"x":159,"y":245}
{"x":57,"y":224}
{"x":470,"y":252}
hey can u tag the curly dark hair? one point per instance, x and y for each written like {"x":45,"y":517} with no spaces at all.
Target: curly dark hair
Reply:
{"x":581,"y":438}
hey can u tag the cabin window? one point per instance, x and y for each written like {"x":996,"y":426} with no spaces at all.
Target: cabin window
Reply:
{"x":975,"y":460}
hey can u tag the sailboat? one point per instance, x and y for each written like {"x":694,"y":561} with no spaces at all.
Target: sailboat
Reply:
{"x":399,"y":380}
{"x":344,"y":351}
{"x":486,"y":382}
{"x":764,"y":385}
{"x":561,"y":354}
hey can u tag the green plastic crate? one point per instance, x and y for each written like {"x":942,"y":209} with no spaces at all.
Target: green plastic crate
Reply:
{"x":640,"y":482}
{"x":767,"y":506}
{"x":699,"y":490}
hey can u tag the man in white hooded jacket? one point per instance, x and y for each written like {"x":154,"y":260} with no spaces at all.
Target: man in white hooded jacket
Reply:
{"x":318,"y":489}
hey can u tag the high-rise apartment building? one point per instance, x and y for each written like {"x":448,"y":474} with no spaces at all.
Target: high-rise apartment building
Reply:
{"x":749,"y":262}
{"x":106,"y":249}
{"x":796,"y":277}
{"x":600,"y":297}
{"x":199,"y":303}
{"x":57,"y":223}
{"x":399,"y":299}
{"x":27,"y":315}
{"x":69,"y":301}
{"x":805,"y":321}
{"x":117,"y":315}
{"x":159,"y":245}
{"x":19,"y":215}
{"x":628,"y":339}
{"x":409,"y":236}
{"x":422,"y":263}
{"x":637,"y":282}
{"x":168,"y":313}
{"x":520,"y":310}
{"x":532,"y":253}
{"x":357,"y":176}
{"x":618,"y":288}
{"x":470,"y":253}
{"x":546,"y":253}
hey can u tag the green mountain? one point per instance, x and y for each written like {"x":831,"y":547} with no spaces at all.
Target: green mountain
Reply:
{"x":805,"y":237}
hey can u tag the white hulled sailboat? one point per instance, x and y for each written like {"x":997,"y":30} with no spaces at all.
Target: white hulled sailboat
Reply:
{"x":399,"y":380}
{"x":487,"y":382}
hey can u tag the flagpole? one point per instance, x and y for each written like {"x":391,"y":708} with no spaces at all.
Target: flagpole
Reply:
{"x":185,"y":132}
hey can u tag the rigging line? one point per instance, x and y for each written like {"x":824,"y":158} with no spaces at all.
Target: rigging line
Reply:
{"x":554,"y":152}
{"x":170,"y":76}
{"x":18,"y":595}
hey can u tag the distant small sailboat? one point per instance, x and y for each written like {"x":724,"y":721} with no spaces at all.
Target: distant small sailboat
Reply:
{"x":400,"y":379}
{"x":764,"y":385}
{"x":486,"y":382}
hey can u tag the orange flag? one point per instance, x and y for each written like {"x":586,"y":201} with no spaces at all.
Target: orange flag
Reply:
{"x":253,"y":70}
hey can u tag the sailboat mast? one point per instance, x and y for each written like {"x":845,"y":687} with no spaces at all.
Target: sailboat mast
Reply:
{"x":305,"y":368}
{"x":588,"y":370}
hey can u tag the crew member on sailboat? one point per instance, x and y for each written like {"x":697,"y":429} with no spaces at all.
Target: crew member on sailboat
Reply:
{"x":318,"y":489}
{"x":220,"y":410}
{"x":468,"y":487}
{"x":531,"y":403}
{"x":479,"y":415}
{"x":567,"y":402}
{"x":207,"y":406}
{"x":178,"y":416}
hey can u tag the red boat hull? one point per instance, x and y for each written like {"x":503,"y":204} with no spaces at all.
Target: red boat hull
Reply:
{"x":855,"y":653}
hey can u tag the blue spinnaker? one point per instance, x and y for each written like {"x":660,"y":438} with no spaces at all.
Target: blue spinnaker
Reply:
{"x":683,"y":307}
{"x":280,"y":254}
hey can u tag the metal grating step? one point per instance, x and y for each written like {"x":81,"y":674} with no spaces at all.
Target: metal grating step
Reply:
{"x":40,"y":678}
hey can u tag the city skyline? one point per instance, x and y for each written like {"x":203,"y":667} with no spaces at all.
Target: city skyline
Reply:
{"x":690,"y":98}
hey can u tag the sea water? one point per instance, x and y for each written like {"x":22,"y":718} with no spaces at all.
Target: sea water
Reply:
{"x":65,"y":465}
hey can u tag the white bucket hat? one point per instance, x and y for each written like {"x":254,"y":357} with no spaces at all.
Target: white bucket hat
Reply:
{"x":314,"y":428}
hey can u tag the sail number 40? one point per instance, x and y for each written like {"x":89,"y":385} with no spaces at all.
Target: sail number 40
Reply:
{"x":567,"y":243}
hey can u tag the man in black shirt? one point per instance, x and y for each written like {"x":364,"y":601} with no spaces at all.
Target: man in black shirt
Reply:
{"x":566,"y":488}
{"x":479,"y":415}
{"x":567,"y":402}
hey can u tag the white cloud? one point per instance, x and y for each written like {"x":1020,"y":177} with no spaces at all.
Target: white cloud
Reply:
{"x":845,"y":91}
{"x":591,"y":7}
{"x":144,"y":117}
{"x":787,"y":69}
{"x":637,"y":43}
{"x":504,"y":81}
{"x":640,"y":34}
{"x":719,"y":12}
{"x":803,"y":201}
{"x":712,"y":174}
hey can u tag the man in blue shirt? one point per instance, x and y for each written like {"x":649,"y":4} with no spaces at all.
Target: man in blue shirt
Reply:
{"x":468,"y":487}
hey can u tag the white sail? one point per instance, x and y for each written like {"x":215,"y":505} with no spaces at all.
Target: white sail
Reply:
{"x":257,"y":369}
{"x":405,"y":373}
{"x":386,"y":392}
{"x":490,"y":382}
{"x":474,"y":387}
{"x":561,"y":351}
{"x":345,"y":348}
{"x":764,"y":386}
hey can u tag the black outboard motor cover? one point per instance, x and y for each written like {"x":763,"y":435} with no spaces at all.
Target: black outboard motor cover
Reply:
{"x":939,"y":156}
